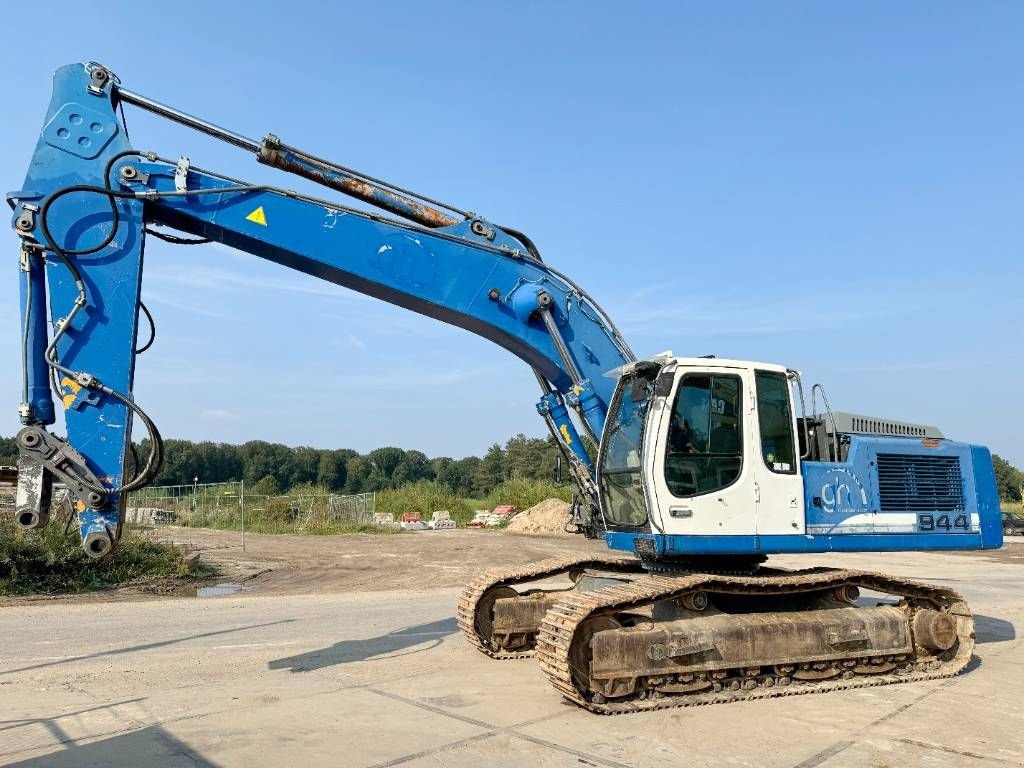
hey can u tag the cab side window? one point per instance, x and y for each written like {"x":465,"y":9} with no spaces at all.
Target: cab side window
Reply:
{"x":704,"y":452}
{"x":776,"y":422}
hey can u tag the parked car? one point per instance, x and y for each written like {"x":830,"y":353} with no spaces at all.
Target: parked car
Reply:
{"x":1012,"y":525}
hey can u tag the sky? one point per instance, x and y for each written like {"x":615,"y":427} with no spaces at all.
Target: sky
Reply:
{"x":834,"y":187}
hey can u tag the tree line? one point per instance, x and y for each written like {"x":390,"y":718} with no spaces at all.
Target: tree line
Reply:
{"x":273,"y":468}
{"x":1009,"y":479}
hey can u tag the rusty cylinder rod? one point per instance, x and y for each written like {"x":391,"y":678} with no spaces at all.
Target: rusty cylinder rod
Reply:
{"x":272,"y":152}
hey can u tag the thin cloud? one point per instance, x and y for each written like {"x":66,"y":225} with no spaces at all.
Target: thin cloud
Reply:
{"x":908,"y":366}
{"x":225,"y":280}
{"x":680,"y":311}
{"x":702,"y":320}
{"x":219,"y":415}
{"x":195,"y":309}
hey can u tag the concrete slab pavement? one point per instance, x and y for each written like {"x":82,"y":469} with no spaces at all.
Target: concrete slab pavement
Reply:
{"x":383,"y":679}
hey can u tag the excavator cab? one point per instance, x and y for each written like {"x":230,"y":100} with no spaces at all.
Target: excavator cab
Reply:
{"x":714,"y":458}
{"x":702,"y":447}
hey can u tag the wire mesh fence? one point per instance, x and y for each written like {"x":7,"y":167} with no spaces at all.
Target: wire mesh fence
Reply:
{"x":202,"y":505}
{"x":225,"y":506}
{"x":302,"y":508}
{"x":230,"y":506}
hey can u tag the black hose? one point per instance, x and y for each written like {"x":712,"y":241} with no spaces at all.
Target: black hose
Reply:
{"x":152,"y":329}
{"x":525,"y":240}
{"x":111,"y":195}
{"x":154,"y":462}
{"x":178,"y":240}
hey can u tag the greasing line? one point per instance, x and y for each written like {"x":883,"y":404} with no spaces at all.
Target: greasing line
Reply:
{"x":493,"y":730}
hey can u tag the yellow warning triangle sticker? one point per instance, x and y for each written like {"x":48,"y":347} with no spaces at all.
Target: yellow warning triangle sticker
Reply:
{"x":258,"y":217}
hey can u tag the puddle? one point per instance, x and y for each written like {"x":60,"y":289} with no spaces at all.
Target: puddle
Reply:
{"x":221,"y":590}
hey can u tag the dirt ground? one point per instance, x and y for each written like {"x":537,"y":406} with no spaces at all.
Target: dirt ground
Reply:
{"x":290,"y":564}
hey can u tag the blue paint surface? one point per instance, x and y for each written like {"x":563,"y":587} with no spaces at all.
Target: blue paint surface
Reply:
{"x":851,"y":490}
{"x":81,"y":133}
{"x":774,"y":545}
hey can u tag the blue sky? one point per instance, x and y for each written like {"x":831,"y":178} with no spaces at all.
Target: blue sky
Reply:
{"x":837,"y":188}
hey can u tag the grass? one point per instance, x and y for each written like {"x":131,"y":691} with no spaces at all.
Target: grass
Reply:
{"x":50,"y":561}
{"x":305,"y":510}
{"x":274,"y":518}
{"x":1014,"y":508}
{"x":424,"y":497}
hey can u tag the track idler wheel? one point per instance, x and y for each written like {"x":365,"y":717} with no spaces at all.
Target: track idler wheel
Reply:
{"x":934,"y":630}
{"x":484,"y":618}
{"x":581,"y":654}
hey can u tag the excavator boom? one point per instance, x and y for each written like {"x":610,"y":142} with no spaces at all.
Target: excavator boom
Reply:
{"x":90,"y":200}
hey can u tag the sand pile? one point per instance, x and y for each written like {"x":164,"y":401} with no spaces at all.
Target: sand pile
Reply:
{"x":547,"y":518}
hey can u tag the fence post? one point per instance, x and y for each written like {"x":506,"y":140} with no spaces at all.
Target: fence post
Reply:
{"x":242,"y":502}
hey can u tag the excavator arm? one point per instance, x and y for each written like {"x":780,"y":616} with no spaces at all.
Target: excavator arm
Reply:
{"x":87,"y":206}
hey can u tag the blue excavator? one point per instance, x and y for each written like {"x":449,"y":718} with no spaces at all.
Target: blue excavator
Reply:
{"x":694,"y":469}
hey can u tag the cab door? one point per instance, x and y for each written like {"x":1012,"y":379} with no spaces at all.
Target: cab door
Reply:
{"x":702,"y":482}
{"x":774,"y":456}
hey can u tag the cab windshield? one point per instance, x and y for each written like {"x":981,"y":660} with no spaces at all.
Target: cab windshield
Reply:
{"x":621,"y":485}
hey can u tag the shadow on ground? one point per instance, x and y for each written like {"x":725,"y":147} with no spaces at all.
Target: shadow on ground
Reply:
{"x":421,"y":637}
{"x":144,"y":646}
{"x":988,"y":629}
{"x":147,"y":746}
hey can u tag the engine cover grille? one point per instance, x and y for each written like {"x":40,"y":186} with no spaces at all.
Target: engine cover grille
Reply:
{"x":920,"y":483}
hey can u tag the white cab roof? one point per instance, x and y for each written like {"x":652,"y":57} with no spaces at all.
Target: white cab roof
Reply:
{"x":721,"y":362}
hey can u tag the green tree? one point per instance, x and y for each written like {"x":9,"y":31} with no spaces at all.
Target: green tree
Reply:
{"x":463,"y":473}
{"x":358,"y":470}
{"x":345,"y":470}
{"x":331,"y":468}
{"x":305,"y":466}
{"x":1008,"y":479}
{"x":384,"y":461}
{"x":530,"y":458}
{"x":262,"y":459}
{"x":266,"y":486}
{"x":8,"y":451}
{"x":491,"y":471}
{"x":413,"y":467}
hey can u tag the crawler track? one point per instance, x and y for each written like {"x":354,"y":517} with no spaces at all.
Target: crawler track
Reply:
{"x":561,"y":624}
{"x":507,"y":577}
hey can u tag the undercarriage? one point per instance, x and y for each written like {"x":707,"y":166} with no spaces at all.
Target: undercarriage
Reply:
{"x":500,"y":615}
{"x":621,"y":640}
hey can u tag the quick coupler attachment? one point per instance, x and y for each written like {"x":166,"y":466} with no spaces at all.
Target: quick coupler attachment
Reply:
{"x":44,"y":459}
{"x":32,"y":497}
